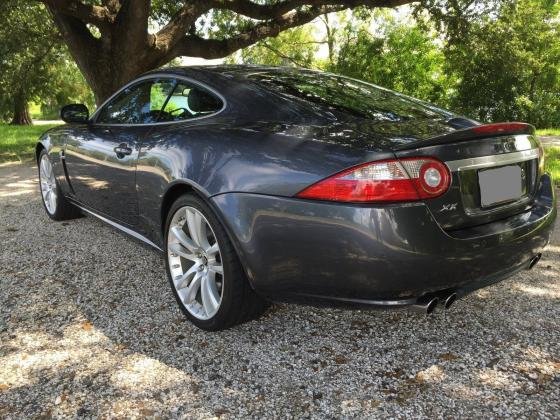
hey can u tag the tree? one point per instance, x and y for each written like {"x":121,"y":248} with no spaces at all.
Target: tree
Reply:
{"x":25,"y":46}
{"x":509,"y":66}
{"x":400,"y":56}
{"x":112,"y":43}
{"x":34,"y":64}
{"x":293,"y":47}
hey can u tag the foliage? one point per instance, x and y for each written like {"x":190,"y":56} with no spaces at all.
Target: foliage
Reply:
{"x":491,"y":61}
{"x":552,"y":163}
{"x":400,"y":56}
{"x":549,"y":132}
{"x":509,"y":66}
{"x":114,"y":41}
{"x":34,"y":64}
{"x":294,"y":47}
{"x":18,"y":143}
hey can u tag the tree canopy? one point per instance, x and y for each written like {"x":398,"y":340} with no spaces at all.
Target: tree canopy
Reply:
{"x":497,"y":60}
{"x":494,"y":62}
{"x":114,"y":41}
{"x":34,"y":63}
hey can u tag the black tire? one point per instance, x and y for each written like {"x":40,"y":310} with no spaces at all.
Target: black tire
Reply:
{"x":239,"y":301}
{"x":64,"y":210}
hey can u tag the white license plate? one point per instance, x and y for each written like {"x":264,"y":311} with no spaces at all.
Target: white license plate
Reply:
{"x":500,"y":185}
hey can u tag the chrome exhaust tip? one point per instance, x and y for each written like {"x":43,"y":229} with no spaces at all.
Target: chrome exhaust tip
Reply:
{"x":535,"y":260}
{"x":450,"y":300}
{"x":426,"y":304}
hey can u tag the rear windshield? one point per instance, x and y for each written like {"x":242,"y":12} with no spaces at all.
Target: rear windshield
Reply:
{"x":342,"y":94}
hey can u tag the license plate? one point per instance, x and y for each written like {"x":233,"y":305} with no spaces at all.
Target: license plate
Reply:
{"x":500,"y":185}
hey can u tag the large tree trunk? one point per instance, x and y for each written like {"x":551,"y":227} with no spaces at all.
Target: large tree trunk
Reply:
{"x":21,"y":111}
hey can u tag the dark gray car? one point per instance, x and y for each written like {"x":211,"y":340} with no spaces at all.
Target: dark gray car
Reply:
{"x":292,"y":185}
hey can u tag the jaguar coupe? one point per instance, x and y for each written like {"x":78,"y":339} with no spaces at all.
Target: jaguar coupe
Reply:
{"x":264,"y":184}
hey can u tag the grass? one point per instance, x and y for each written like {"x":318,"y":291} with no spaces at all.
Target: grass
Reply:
{"x":548,"y":132}
{"x":17,"y":143}
{"x":552,"y":163}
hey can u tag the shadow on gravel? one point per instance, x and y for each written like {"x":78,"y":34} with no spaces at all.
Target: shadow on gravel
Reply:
{"x":88,"y":326}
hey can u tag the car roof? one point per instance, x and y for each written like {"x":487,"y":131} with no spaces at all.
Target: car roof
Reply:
{"x":229,"y":71}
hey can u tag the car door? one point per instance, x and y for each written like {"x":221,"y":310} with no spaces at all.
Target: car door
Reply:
{"x":101,"y":156}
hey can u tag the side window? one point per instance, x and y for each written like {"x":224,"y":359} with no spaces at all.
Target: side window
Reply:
{"x":190,"y":101}
{"x":138,"y":104}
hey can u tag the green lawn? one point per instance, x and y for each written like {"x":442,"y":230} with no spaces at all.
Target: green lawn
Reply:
{"x":552,"y":163}
{"x":18,"y":143}
{"x":548,"y":132}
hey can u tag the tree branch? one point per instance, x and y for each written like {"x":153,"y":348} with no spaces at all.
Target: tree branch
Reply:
{"x":176,"y":28}
{"x":172,"y":42}
{"x":81,"y":43}
{"x":132,"y":24}
{"x":253,"y":10}
{"x":217,"y":48}
{"x":112,"y":6}
{"x":274,"y":14}
{"x":96,"y":15}
{"x":282,"y":55}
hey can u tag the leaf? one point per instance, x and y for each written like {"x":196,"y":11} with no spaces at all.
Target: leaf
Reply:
{"x":448,"y":357}
{"x":341,"y":360}
{"x":86,"y":326}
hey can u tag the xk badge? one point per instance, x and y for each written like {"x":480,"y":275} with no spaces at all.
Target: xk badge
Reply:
{"x":448,"y":207}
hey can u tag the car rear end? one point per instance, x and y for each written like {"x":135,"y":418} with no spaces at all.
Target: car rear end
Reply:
{"x":499,"y":209}
{"x":445,"y":216}
{"x":437,"y":204}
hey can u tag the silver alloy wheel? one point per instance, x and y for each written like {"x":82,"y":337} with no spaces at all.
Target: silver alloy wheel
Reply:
{"x":195,"y":263}
{"x":48,"y":184}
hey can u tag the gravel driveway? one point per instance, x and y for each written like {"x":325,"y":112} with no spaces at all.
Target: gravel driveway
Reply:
{"x":89,"y":327}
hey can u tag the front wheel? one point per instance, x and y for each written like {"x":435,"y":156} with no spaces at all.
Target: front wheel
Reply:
{"x":56,"y":205}
{"x":204,"y":270}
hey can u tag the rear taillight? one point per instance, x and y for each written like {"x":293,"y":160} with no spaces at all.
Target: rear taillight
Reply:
{"x":407,"y":179}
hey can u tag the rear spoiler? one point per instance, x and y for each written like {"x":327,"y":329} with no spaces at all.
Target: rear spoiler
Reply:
{"x":473,"y":133}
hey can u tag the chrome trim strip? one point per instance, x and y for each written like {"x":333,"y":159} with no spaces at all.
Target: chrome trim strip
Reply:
{"x":492,"y":160}
{"x":122,"y":228}
{"x":93,"y":118}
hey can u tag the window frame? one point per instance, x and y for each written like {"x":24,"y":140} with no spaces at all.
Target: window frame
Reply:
{"x":159,"y":76}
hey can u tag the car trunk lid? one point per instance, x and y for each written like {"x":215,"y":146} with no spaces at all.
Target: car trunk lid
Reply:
{"x":494,"y":168}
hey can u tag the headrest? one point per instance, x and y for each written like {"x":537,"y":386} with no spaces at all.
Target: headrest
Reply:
{"x":200,"y":101}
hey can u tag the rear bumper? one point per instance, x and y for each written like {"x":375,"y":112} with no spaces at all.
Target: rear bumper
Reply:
{"x":315,"y":252}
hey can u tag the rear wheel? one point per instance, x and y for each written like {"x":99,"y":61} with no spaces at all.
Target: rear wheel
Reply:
{"x":56,"y":205}
{"x":203,"y":268}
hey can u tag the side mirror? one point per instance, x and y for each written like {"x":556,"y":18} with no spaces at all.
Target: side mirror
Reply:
{"x":75,"y":113}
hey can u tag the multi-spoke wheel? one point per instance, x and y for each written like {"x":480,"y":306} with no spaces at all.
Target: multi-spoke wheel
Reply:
{"x":48,"y":183}
{"x":57,"y":207}
{"x":195,"y":262}
{"x":204,"y":271}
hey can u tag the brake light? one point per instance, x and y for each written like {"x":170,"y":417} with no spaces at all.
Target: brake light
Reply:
{"x":499,"y":128}
{"x":409,"y":179}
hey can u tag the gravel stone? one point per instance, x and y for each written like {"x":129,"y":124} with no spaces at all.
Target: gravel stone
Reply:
{"x":89,"y":328}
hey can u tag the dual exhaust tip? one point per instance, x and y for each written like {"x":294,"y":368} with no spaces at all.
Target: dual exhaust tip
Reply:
{"x":428,"y":304}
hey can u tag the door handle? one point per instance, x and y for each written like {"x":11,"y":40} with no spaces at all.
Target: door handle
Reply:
{"x":122,"y":150}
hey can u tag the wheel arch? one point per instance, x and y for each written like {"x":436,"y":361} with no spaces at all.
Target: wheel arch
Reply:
{"x":39,"y":147}
{"x":175,"y":190}
{"x":181,"y":187}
